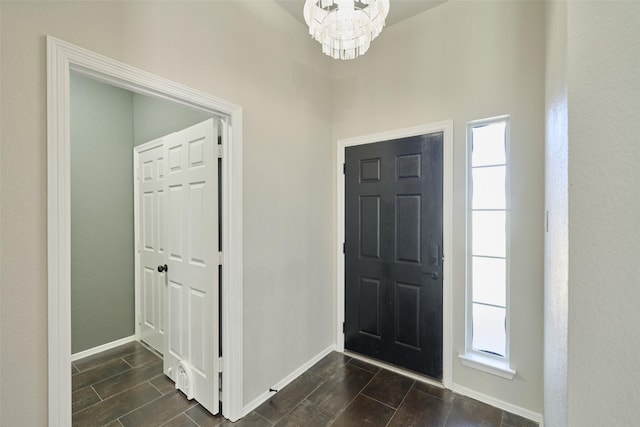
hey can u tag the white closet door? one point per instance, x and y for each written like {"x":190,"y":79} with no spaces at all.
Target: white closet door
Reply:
{"x":191,"y":241}
{"x":152,"y":309}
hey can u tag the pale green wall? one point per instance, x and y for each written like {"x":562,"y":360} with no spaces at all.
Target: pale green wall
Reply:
{"x":102,"y":258}
{"x":106,"y":124}
{"x":154,"y":117}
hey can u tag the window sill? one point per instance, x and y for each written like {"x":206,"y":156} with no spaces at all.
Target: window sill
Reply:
{"x":488,"y":365}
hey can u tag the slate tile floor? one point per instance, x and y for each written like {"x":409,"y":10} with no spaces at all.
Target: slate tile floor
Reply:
{"x":125,"y":387}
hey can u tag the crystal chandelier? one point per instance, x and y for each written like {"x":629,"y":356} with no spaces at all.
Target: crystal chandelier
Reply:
{"x":345,"y":28}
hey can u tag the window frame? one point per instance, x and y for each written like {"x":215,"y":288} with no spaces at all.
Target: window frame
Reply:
{"x":478,"y":359}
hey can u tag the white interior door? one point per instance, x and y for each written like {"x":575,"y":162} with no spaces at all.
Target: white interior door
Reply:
{"x":191,"y":207}
{"x":150,"y":207}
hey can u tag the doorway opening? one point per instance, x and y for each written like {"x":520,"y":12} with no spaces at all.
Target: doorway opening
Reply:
{"x":63,"y":58}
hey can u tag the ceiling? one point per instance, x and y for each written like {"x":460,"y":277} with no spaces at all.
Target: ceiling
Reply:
{"x":398,"y":9}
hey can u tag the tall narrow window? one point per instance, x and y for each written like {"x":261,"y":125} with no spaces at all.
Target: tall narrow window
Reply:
{"x":488,"y":239}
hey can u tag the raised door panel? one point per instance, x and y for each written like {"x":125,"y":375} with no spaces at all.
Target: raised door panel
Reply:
{"x":370,"y":317}
{"x":407,"y":235}
{"x":370,"y":226}
{"x":176,"y":315}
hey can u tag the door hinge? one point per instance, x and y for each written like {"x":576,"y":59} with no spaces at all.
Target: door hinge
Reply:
{"x":219,"y":364}
{"x":138,"y":246}
{"x":344,"y":168}
{"x":220,"y":151}
{"x":343,"y":328}
{"x":344,"y":246}
{"x":220,"y":258}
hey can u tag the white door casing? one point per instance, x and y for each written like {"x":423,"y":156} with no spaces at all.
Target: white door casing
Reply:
{"x":62,"y":57}
{"x":149,"y":172}
{"x":191,"y":212}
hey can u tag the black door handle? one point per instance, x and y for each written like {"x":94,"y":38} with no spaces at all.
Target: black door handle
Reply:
{"x":162,"y":268}
{"x":434,"y":275}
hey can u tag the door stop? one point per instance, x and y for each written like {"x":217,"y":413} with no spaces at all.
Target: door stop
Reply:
{"x":183,"y":379}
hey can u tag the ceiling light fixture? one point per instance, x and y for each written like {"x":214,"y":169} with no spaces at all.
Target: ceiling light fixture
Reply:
{"x":345,"y":28}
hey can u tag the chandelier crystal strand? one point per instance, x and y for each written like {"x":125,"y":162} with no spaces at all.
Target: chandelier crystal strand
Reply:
{"x":345,"y":28}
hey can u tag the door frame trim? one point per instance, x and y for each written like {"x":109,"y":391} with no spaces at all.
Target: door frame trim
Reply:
{"x":447,"y":231}
{"x":62,"y":57}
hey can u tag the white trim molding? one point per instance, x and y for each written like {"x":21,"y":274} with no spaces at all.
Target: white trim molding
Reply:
{"x":501,"y":404}
{"x":62,"y":57}
{"x":104,"y":347}
{"x":490,"y":365}
{"x":447,"y":216}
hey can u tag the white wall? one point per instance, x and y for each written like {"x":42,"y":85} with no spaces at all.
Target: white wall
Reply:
{"x":603,"y":72}
{"x":466,"y":61}
{"x":556,"y":262}
{"x":250,"y":53}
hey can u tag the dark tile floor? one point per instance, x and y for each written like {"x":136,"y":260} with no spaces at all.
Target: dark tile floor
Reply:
{"x":125,"y":386}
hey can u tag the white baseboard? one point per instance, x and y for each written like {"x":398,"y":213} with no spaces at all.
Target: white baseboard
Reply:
{"x":286,"y":380}
{"x":505,"y":406}
{"x":103,"y":347}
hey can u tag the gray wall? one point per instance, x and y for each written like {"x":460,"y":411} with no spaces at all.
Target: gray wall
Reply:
{"x":603,"y":79}
{"x":251,"y":53}
{"x":255,"y":55}
{"x":592,"y":251}
{"x":556,"y":262}
{"x":106,"y":123}
{"x":102,"y":257}
{"x":465,"y":61}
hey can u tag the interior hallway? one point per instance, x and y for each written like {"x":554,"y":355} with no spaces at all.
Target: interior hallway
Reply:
{"x":125,"y":386}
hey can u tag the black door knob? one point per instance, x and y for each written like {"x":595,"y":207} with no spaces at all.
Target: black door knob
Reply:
{"x":162,"y":268}
{"x":434,"y":275}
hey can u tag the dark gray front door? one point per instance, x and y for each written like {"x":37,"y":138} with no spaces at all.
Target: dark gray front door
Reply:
{"x":393,"y":252}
